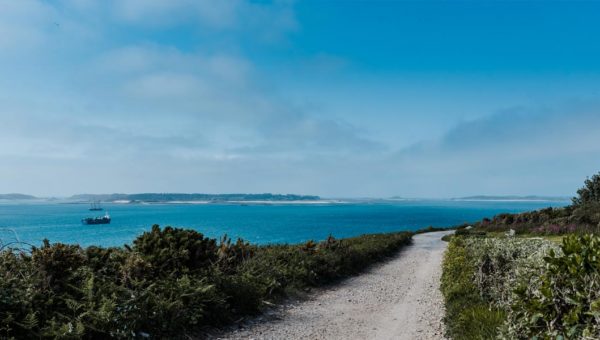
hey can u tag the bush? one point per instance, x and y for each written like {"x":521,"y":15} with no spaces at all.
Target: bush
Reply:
{"x":583,"y":216}
{"x":502,"y":263}
{"x":523,"y":288}
{"x":564,"y":301}
{"x":174,"y":251}
{"x":172,"y":283}
{"x":479,"y":276}
{"x":468,"y":315}
{"x":447,"y":238}
{"x":589,"y":193}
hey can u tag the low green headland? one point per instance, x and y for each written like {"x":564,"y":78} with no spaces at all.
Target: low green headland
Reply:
{"x":170,"y":283}
{"x":539,"y":281}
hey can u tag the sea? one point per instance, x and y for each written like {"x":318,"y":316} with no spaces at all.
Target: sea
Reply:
{"x":31,"y":223}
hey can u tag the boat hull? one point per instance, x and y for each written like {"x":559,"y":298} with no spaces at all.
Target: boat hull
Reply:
{"x":97,"y":220}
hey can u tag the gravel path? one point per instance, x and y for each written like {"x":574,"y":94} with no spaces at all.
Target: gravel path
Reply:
{"x":399,"y":299}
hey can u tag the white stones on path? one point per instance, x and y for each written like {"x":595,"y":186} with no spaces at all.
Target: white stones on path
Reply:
{"x":399,"y":299}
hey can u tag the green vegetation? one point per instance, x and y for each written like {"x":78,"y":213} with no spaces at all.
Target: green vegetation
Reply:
{"x":523,"y":287}
{"x":431,"y":229}
{"x":589,"y":193}
{"x":518,"y":288}
{"x":468,"y":314}
{"x":583,"y":216}
{"x":564,"y":301}
{"x":171,"y":283}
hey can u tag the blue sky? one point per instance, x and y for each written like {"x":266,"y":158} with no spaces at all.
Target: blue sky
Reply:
{"x":335,"y":98}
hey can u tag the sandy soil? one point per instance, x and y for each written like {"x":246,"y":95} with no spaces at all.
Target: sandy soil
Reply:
{"x":399,"y":299}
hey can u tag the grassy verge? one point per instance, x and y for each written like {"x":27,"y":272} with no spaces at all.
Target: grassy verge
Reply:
{"x":171,"y":283}
{"x":468,"y":315}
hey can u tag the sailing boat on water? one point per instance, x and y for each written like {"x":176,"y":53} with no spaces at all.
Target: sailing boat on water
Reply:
{"x":95,"y":206}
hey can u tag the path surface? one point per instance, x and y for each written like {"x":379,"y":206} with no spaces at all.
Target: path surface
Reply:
{"x":399,"y":299}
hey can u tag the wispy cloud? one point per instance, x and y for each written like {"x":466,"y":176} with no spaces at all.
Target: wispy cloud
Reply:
{"x":216,"y":96}
{"x":519,"y":150}
{"x":110,"y":102}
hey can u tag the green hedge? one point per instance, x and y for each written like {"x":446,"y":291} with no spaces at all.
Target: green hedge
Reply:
{"x":171,"y":283}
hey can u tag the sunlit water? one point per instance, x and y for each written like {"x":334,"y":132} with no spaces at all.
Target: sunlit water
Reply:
{"x":256,"y":223}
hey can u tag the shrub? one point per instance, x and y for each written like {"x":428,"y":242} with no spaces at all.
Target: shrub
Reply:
{"x":589,"y":193}
{"x":501,"y":263}
{"x":173,"y":250}
{"x":479,"y":276}
{"x":564,"y":301}
{"x":447,"y":238}
{"x":524,"y":288}
{"x":468,"y":315}
{"x":172,"y":283}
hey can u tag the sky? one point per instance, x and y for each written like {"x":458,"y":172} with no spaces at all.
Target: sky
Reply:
{"x":332,"y":98}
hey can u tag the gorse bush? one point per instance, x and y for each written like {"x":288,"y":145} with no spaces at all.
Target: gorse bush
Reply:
{"x":171,"y":283}
{"x":173,"y":251}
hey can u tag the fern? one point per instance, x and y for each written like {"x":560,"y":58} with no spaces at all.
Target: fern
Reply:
{"x":30,"y":321}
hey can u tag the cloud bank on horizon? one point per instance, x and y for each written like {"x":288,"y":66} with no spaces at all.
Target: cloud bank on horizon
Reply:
{"x":420,"y":99}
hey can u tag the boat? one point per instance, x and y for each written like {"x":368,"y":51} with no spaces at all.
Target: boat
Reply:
{"x":97,"y":220}
{"x":95,"y":206}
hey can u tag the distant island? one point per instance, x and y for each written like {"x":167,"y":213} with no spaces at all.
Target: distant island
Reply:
{"x":512,"y":198}
{"x":265,"y":197}
{"x":14,"y":197}
{"x":491,"y":198}
{"x":178,"y":197}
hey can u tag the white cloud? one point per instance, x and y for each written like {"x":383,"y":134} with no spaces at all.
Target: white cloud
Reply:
{"x":24,"y":24}
{"x":106,"y":94}
{"x":267,"y":21}
{"x":215,"y":14}
{"x":518,"y":151}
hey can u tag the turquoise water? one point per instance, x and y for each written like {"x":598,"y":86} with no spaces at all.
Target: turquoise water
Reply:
{"x":256,"y":223}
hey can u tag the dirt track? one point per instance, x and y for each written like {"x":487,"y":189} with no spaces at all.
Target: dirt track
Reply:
{"x":399,"y":299}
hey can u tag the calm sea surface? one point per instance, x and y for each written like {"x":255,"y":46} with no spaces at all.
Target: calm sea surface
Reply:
{"x":256,"y":223}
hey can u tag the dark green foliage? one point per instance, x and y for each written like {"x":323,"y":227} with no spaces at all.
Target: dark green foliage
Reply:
{"x":447,"y":238}
{"x":432,"y":229}
{"x":589,"y":193}
{"x":468,"y":315}
{"x":470,"y":232}
{"x":172,"y":283}
{"x":174,"y":250}
{"x":566,"y":303}
{"x":583,"y":216}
